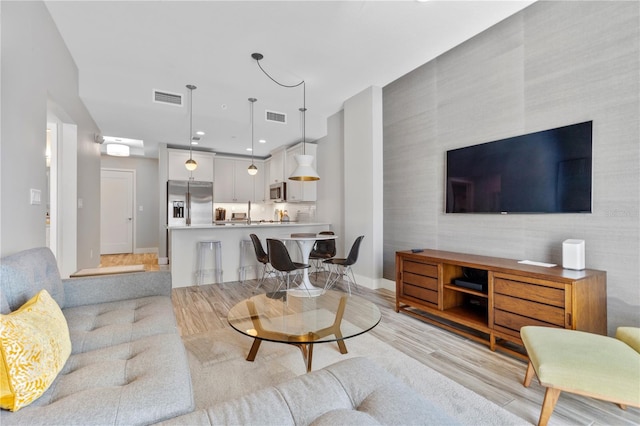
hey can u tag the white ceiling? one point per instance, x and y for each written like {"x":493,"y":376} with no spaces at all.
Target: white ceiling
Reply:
{"x":126,"y":49}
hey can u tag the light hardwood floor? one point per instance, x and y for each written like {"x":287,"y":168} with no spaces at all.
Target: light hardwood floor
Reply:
{"x":496,"y":376}
{"x":149,"y":260}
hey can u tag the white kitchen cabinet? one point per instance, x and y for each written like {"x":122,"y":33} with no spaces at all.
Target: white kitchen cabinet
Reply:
{"x":276,"y":166}
{"x":223,"y":186}
{"x":244,"y":183}
{"x":177,"y":171}
{"x":266,"y":180}
{"x":259,"y":185}
{"x":300,"y":190}
{"x":233,"y":184}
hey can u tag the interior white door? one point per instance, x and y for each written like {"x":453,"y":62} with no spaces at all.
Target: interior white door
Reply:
{"x":116,"y":211}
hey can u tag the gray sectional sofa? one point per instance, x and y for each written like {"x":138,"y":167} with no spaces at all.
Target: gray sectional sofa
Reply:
{"x":128,"y":364}
{"x":351,"y":392}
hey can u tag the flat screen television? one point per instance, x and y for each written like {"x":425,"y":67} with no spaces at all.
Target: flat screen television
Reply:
{"x":541,"y":172}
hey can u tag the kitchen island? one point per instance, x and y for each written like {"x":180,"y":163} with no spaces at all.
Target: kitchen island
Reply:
{"x":183,"y":242}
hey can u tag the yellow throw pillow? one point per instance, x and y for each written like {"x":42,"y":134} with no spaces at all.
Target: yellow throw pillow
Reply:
{"x":34,"y":345}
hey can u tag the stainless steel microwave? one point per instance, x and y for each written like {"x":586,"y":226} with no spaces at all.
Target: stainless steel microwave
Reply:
{"x":278,"y":192}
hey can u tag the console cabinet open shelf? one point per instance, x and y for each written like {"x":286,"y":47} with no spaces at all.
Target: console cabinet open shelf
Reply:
{"x":516,"y":295}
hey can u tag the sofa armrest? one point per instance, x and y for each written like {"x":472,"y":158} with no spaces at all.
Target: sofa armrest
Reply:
{"x":111,"y":288}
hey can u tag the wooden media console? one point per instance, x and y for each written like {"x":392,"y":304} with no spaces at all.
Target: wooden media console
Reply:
{"x":514,"y":295}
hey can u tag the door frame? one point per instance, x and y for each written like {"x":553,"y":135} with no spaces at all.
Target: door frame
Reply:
{"x":63,"y":190}
{"x":134,"y":203}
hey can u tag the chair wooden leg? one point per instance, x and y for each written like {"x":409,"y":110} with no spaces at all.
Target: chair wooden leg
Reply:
{"x":529,"y":375}
{"x":549,"y":403}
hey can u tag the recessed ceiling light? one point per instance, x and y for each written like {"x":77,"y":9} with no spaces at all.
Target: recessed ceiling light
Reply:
{"x":200,"y":133}
{"x":262,"y":141}
{"x":118,"y":150}
{"x":133,"y":143}
{"x":223,"y":106}
{"x":249,"y":149}
{"x":194,"y":143}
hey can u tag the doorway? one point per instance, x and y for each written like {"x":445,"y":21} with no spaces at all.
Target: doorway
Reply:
{"x":116,"y":211}
{"x":61,"y":196}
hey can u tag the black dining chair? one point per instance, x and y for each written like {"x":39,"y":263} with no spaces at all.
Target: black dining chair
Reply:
{"x":341,"y":268}
{"x":322,"y":250}
{"x":281,"y":261}
{"x":263,"y":258}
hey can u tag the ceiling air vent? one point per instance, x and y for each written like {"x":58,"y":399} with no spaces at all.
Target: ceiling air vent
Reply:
{"x":276,"y":117}
{"x":163,"y":97}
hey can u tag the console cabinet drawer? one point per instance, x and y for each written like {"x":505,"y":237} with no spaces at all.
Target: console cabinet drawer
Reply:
{"x":534,"y":292}
{"x":510,"y":323}
{"x":425,"y":269}
{"x":526,"y":308}
{"x":420,"y":281}
{"x":421,"y":293}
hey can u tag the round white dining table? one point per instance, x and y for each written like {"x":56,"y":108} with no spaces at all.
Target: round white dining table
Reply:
{"x":306,"y":243}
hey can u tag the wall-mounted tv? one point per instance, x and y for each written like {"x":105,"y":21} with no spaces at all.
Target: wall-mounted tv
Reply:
{"x":542,"y":172}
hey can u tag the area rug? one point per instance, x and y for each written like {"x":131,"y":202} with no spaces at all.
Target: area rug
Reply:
{"x":219,"y":372}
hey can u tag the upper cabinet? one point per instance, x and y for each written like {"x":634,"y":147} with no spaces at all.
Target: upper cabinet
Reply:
{"x":276,"y":166}
{"x":233,"y":184}
{"x":266,"y":179}
{"x":300,"y":190}
{"x":177,"y":171}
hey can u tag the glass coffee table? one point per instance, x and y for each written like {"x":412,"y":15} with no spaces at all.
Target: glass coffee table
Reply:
{"x":303,"y":321}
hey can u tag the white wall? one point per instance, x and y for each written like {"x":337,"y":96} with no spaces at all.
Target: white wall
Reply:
{"x":36,"y":68}
{"x":330,"y":193}
{"x":363,"y":202}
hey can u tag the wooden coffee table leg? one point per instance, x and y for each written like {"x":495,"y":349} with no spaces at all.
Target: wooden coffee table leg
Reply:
{"x":254,"y":349}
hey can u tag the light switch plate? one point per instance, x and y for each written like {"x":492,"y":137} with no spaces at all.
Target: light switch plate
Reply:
{"x":36,"y":196}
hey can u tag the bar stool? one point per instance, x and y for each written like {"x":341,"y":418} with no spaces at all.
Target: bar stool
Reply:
{"x":246,"y":245}
{"x":209,"y":262}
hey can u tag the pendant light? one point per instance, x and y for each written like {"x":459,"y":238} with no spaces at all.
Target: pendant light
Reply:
{"x":191,"y":164}
{"x":305,"y":170}
{"x":252,"y":170}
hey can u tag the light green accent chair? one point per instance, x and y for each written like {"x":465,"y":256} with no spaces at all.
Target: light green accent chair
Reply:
{"x":583,"y":363}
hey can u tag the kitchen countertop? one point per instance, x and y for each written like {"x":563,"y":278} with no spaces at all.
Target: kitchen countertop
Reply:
{"x":243,"y":224}
{"x":238,"y":259}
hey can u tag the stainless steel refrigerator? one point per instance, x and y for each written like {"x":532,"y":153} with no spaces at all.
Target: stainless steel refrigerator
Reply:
{"x":189,"y":203}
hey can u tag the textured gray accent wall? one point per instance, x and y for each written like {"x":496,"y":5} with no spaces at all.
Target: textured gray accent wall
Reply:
{"x":552,"y":64}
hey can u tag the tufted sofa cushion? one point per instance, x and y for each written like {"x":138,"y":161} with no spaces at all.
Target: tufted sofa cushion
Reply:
{"x":105,"y":324}
{"x":353,"y":391}
{"x":127,"y":384}
{"x":128,"y":364}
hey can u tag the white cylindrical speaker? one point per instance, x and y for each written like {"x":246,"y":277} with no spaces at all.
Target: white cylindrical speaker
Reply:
{"x":573,"y":254}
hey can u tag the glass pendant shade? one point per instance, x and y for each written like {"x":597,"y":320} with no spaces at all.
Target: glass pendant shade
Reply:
{"x":191,"y":164}
{"x":252,"y":169}
{"x":305,"y":170}
{"x":118,"y":150}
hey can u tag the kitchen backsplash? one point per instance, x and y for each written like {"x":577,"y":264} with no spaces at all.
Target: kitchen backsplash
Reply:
{"x":297,"y":212}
